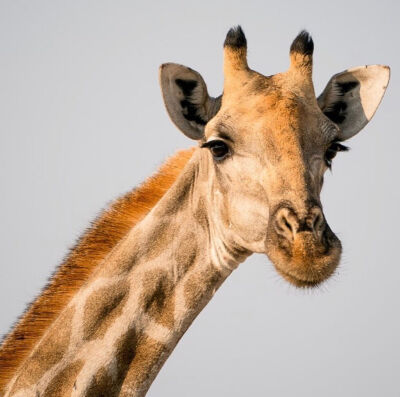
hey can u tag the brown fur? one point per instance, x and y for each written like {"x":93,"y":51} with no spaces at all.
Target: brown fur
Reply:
{"x":102,"y":307}
{"x":107,"y":230}
{"x":147,"y":355}
{"x":63,"y":383}
{"x":197,"y":291}
{"x":103,"y":383}
{"x":159,"y":298}
{"x":52,"y":353}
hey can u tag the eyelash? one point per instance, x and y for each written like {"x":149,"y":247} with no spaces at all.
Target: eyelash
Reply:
{"x":331,"y":152}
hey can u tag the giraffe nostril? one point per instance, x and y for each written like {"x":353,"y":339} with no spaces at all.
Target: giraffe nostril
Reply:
{"x":316,"y":220}
{"x":286,"y":223}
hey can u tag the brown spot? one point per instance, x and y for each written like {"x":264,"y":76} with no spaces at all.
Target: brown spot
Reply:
{"x":186,"y":255}
{"x":158,"y":239}
{"x":159,"y":299}
{"x":102,"y":307}
{"x":200,"y":213}
{"x":150,"y":355}
{"x":200,"y":287}
{"x":102,"y":385}
{"x":63,"y":383}
{"x":48,"y":353}
{"x":125,"y":351}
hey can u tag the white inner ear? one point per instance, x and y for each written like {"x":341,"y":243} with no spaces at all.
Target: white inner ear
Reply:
{"x":356,"y":104}
{"x":374,"y":80}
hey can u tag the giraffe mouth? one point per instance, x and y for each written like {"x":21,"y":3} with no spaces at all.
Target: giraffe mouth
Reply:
{"x":302,"y":282}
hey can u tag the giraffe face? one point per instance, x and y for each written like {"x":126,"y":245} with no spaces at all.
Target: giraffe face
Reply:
{"x":266,"y":145}
{"x":269,"y":147}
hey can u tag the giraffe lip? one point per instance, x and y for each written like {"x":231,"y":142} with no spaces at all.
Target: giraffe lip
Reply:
{"x":298,"y":281}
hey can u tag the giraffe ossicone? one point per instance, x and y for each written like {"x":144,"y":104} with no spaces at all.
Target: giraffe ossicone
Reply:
{"x":118,"y":305}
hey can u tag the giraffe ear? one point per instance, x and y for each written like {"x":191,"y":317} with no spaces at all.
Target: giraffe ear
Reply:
{"x":351,"y":98}
{"x":186,"y":99}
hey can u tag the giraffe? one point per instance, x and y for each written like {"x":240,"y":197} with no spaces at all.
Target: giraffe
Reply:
{"x":121,"y":301}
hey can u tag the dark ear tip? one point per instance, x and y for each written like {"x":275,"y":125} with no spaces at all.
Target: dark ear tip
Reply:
{"x":235,"y":38}
{"x":303,"y":44}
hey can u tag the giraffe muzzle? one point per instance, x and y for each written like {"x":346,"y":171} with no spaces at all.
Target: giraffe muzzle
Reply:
{"x":303,"y":249}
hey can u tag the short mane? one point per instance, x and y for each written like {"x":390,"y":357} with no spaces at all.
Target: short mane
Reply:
{"x":105,"y":232}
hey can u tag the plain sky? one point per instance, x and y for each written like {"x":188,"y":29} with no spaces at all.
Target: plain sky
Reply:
{"x":82,"y":121}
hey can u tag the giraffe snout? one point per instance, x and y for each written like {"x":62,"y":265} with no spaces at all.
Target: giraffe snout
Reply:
{"x":302,"y":246}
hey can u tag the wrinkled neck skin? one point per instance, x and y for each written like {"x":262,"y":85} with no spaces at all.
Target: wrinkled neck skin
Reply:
{"x":116,"y":333}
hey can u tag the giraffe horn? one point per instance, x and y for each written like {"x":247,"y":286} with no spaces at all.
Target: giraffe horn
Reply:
{"x":235,"y":54}
{"x":301,"y":54}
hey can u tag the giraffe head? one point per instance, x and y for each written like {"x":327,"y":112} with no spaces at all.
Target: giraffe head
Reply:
{"x":267,"y":142}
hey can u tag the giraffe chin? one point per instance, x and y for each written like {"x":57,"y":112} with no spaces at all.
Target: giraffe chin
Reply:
{"x":301,"y":283}
{"x":306,"y":262}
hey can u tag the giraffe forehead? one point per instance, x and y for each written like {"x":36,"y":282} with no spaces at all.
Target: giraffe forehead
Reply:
{"x":267,"y":116}
{"x":274,"y":98}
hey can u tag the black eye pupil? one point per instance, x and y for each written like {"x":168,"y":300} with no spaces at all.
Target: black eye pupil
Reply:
{"x":219,"y":149}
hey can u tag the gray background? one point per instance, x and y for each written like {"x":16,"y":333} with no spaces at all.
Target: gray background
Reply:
{"x":82,"y":120}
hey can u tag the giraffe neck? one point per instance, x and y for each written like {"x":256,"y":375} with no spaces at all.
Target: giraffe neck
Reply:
{"x":116,"y":333}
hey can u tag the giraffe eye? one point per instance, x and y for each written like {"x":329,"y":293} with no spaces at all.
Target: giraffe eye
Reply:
{"x":332,"y":150}
{"x":219,"y":149}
